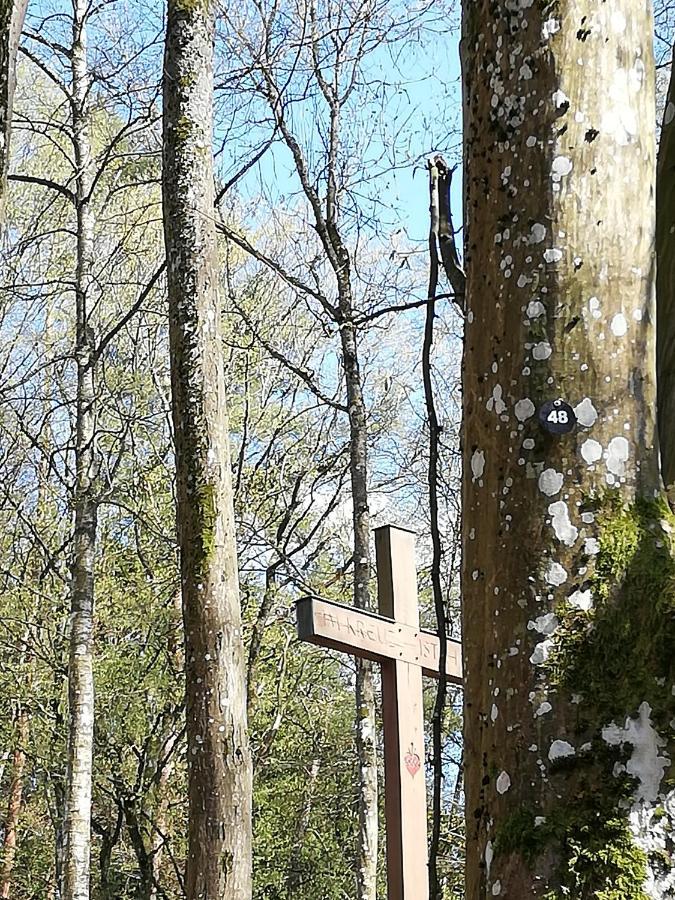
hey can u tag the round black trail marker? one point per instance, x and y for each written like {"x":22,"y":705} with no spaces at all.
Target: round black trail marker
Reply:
{"x":556,"y":416}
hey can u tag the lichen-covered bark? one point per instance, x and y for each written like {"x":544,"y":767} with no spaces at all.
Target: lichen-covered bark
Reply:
{"x":12,"y":14}
{"x":568,"y":609}
{"x":665,"y":288}
{"x":219,"y":774}
{"x":77,"y":814}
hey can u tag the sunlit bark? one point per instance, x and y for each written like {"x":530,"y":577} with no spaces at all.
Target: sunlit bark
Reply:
{"x":567,"y":592}
{"x":219,"y":775}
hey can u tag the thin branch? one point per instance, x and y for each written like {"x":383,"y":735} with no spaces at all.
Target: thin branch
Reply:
{"x":46,"y":182}
{"x":142,"y":297}
{"x":435,"y":889}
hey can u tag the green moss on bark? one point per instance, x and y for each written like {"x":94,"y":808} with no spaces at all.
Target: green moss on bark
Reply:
{"x":620,"y":653}
{"x":614,"y":657}
{"x":207,"y":516}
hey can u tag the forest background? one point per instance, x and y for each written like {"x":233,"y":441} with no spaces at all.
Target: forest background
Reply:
{"x":289,"y":429}
{"x":289,"y":432}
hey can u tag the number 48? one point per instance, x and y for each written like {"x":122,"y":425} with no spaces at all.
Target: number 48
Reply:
{"x":558,"y":415}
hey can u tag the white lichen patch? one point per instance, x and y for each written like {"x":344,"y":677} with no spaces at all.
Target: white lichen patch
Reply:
{"x":591,"y":451}
{"x":545,"y":624}
{"x":616,"y":455}
{"x":553,"y":255}
{"x":562,"y":165}
{"x":562,"y":526}
{"x":591,"y":546}
{"x":541,"y":710}
{"x":586,"y":413}
{"x":555,"y":574}
{"x":542,"y":350}
{"x":541,"y":652}
{"x":524,"y":409}
{"x":477,"y":464}
{"x":550,"y":27}
{"x":489,"y":854}
{"x":646,"y":763}
{"x":560,"y":749}
{"x":550,"y":482}
{"x":535,"y":308}
{"x":537,"y":231}
{"x":496,"y":401}
{"x":619,"y":325}
{"x":581,"y":599}
{"x":503,"y":782}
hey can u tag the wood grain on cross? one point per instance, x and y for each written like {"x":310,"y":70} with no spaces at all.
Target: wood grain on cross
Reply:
{"x":405,"y":652}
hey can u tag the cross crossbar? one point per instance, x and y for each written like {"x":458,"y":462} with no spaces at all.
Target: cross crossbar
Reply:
{"x":375,"y":637}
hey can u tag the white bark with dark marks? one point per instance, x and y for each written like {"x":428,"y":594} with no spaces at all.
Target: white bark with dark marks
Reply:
{"x":12,"y":13}
{"x":77,"y":817}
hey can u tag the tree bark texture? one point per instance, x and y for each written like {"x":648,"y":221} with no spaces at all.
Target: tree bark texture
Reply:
{"x":366,"y":733}
{"x":665,"y":289}
{"x":567,"y":593}
{"x":12,"y":13}
{"x":77,"y":818}
{"x":15,"y":796}
{"x":219,"y":776}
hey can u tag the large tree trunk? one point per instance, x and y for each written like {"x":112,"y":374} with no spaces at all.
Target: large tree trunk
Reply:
{"x":12,"y":14}
{"x":77,"y":819}
{"x":665,"y":290}
{"x":219,"y":778}
{"x":567,"y":576}
{"x":15,"y":796}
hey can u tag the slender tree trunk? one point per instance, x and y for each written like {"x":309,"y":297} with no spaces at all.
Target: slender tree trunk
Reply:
{"x":12,"y":14}
{"x":160,"y":819}
{"x":77,"y":828}
{"x":366,"y":733}
{"x":295,"y":873}
{"x":219,"y":773}
{"x":567,"y":575}
{"x":665,"y":290}
{"x":14,"y":803}
{"x":435,"y":888}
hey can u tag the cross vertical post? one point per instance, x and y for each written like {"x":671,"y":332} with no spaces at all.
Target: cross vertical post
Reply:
{"x":403,"y":717}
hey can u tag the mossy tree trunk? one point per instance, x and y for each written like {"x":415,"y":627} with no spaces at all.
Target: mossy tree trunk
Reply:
{"x":567,"y":573}
{"x":219,"y":774}
{"x":12,"y":13}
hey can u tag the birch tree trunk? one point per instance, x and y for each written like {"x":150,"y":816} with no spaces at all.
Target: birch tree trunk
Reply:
{"x":567,"y":575}
{"x":12,"y":13}
{"x":77,"y":818}
{"x":219,"y":776}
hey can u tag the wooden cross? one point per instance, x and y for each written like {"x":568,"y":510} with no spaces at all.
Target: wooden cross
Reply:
{"x":394,"y":639}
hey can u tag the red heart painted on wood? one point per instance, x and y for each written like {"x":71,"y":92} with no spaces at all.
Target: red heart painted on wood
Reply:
{"x":412,"y":761}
